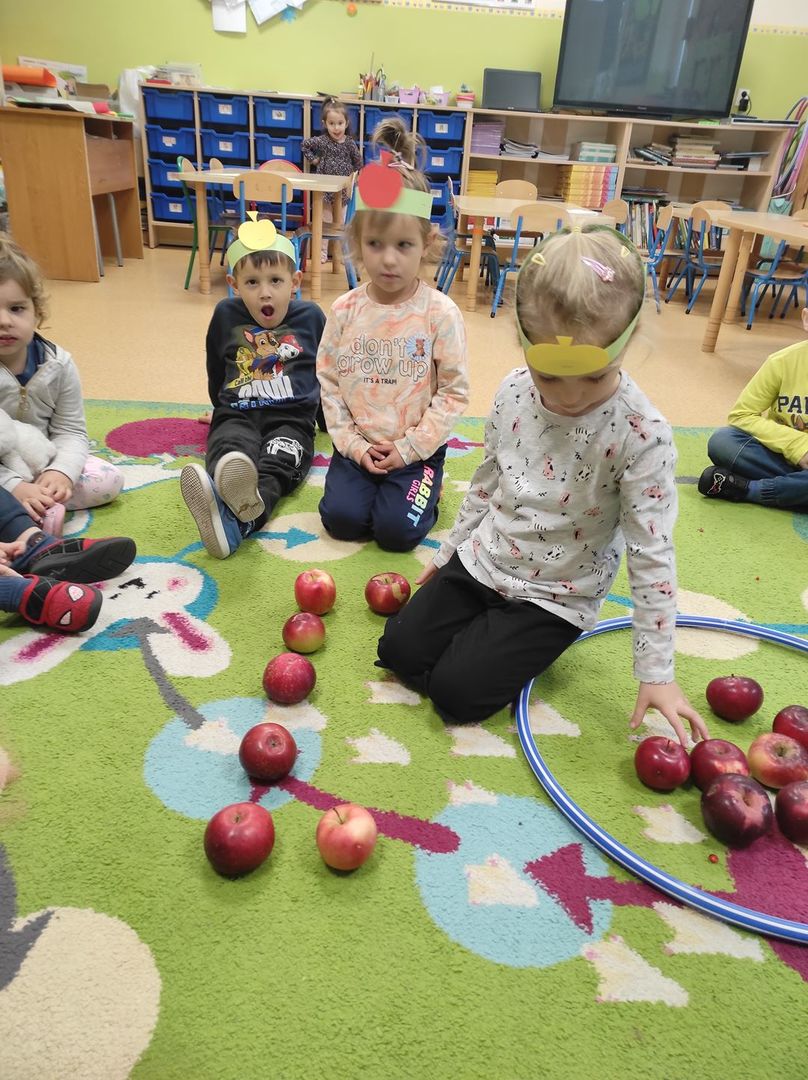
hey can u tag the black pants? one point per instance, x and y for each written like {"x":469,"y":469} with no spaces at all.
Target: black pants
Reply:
{"x":14,"y":518}
{"x":467,"y":648}
{"x":281,"y":447}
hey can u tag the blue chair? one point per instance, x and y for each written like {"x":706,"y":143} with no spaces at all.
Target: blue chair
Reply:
{"x":702,"y":255}
{"x":537,"y":218}
{"x":457,"y":250}
{"x":618,"y":209}
{"x":216,"y":227}
{"x":338,"y":234}
{"x":778,"y":273}
{"x":658,"y":248}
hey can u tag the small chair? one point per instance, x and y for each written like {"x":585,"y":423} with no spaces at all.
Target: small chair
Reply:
{"x":536,"y":218}
{"x":457,"y":251}
{"x":215,"y":227}
{"x":516,"y":189}
{"x":218,"y":211}
{"x":657,"y":249}
{"x":279,"y":165}
{"x":702,"y":254}
{"x":618,"y":209}
{"x":337,"y":232}
{"x":779,"y":274}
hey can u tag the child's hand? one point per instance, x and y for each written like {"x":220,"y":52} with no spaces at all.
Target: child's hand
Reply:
{"x":55,"y":484}
{"x":428,"y":572}
{"x":368,"y":462}
{"x":387,"y":457}
{"x":34,"y":499}
{"x":9,"y":552}
{"x":672,"y":703}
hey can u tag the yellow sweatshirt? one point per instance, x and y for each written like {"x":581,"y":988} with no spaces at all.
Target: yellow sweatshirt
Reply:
{"x":773,"y":406}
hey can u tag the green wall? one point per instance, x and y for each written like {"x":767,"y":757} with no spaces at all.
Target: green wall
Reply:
{"x":324,"y":49}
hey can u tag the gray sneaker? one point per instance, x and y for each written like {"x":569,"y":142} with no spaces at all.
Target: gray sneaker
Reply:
{"x":236,"y":480}
{"x":219,"y":529}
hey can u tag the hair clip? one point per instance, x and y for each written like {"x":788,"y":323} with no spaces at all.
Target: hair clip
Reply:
{"x":625,"y":251}
{"x":538,"y":259}
{"x":605,"y":273}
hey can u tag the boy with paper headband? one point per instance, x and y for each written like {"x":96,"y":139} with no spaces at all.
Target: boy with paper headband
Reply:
{"x":577,"y":466}
{"x":261,"y":348}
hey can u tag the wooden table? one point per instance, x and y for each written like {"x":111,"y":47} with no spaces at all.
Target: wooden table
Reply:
{"x":64,"y":171}
{"x":318,"y":184}
{"x":476,"y":208}
{"x":743,"y":227}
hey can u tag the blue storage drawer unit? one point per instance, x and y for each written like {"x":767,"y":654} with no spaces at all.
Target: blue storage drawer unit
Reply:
{"x":448,"y":126}
{"x":168,"y":105}
{"x":446,"y":161}
{"x":317,"y":118}
{"x":233,"y":146}
{"x":158,"y":172}
{"x":440,"y":196}
{"x":218,"y":109}
{"x":280,"y":148}
{"x":278,"y":115}
{"x":170,"y":208}
{"x":375,"y":116}
{"x":171,"y":141}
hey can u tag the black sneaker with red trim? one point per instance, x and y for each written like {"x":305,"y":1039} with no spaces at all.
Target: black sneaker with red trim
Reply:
{"x":83,"y":560}
{"x":60,"y":605}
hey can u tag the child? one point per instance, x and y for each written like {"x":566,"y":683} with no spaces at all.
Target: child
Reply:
{"x":47,"y":580}
{"x":39,"y":384}
{"x":261,"y":347}
{"x":577,"y":464}
{"x":391,"y":365}
{"x":334,"y":153}
{"x":763,"y":457}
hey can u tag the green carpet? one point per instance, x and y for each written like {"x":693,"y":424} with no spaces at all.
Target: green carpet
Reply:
{"x":484,"y":938}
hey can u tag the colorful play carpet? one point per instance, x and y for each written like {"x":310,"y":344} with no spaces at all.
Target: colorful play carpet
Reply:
{"x":485,"y":938}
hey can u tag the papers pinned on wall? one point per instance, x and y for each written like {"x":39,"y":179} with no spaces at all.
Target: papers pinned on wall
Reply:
{"x":229,"y":17}
{"x":264,"y":10}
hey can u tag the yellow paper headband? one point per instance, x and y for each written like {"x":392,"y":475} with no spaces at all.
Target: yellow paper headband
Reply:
{"x":254,"y":236}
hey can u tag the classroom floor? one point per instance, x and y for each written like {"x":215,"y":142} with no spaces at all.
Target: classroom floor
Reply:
{"x":137,"y":335}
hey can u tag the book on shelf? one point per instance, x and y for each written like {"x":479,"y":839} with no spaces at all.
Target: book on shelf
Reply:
{"x":594,"y":152}
{"x":514,"y":148}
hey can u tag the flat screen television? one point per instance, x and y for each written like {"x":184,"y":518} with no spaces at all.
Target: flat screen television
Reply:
{"x":506,"y":89}
{"x":655,"y":57}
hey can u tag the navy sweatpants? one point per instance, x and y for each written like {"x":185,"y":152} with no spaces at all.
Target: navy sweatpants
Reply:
{"x":14,"y":518}
{"x":396,"y":510}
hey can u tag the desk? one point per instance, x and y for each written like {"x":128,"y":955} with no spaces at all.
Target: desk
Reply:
{"x":56,"y":162}
{"x":317,"y":183}
{"x":479,"y":207}
{"x":743,"y":227}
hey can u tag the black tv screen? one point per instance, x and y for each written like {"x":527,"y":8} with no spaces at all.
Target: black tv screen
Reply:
{"x":661,"y":57}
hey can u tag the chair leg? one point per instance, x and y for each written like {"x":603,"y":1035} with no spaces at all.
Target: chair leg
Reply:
{"x":695,"y":293}
{"x":498,"y":293}
{"x":116,"y":236}
{"x":190,"y":269}
{"x":98,"y":252}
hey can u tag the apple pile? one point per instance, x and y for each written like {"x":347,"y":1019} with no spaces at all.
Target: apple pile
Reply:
{"x":289,"y":677}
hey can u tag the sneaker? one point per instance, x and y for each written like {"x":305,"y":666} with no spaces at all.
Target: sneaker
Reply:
{"x":717,"y":483}
{"x":83,"y":560}
{"x":53,"y":519}
{"x":219,"y":529}
{"x":60,"y":605}
{"x":236,"y":480}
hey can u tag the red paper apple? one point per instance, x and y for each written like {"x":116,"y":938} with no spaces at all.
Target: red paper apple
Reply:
{"x":736,"y":809}
{"x":239,"y":838}
{"x":661,"y":764}
{"x":268,"y":752}
{"x":734,"y":697}
{"x":793,"y":721}
{"x":315,"y":591}
{"x":346,"y":836}
{"x":791,"y":810}
{"x":776,"y":760}
{"x":304,"y":632}
{"x":288,"y":678}
{"x":387,"y":593}
{"x":713,"y":757}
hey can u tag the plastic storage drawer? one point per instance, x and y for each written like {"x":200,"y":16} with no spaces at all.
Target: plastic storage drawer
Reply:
{"x":176,"y":142}
{"x":441,"y":125}
{"x":233,"y":146}
{"x":440,"y":196}
{"x":374,"y":116}
{"x":317,"y":118}
{"x":217,"y":109}
{"x":170,"y":208}
{"x":168,"y":105}
{"x":278,"y":115}
{"x":268,"y":147}
{"x":159,"y":170}
{"x":444,"y":161}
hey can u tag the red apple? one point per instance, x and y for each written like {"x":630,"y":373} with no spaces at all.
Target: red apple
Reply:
{"x":776,"y":760}
{"x":239,"y":838}
{"x":713,"y":757}
{"x":303,"y":632}
{"x":661,"y":764}
{"x":734,"y":697}
{"x":267,"y":752}
{"x":346,"y":836}
{"x":791,"y":810}
{"x":387,"y":593}
{"x":793,"y":721}
{"x":315,"y":591}
{"x":736,"y":809}
{"x":288,"y":678}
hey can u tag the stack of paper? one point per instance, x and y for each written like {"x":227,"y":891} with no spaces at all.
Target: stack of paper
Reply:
{"x":587,"y":185}
{"x":695,"y":151}
{"x":482,"y":182}
{"x":594,"y":152}
{"x":486,"y":137}
{"x":513,"y":148}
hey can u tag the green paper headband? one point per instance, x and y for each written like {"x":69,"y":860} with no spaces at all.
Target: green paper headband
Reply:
{"x":409,"y":201}
{"x":254,"y":236}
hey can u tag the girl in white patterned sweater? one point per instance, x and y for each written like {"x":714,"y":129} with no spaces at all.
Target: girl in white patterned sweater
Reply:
{"x":577,"y":466}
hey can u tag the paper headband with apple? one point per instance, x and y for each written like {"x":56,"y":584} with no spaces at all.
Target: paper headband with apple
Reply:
{"x":379,"y":186}
{"x":254,"y":235}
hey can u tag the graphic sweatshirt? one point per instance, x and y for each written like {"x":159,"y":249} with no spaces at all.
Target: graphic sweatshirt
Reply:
{"x":773,"y":406}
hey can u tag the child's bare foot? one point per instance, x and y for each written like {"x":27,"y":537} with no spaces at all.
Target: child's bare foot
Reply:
{"x":205,"y":418}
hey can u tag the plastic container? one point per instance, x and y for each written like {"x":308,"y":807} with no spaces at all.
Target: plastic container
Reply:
{"x":158,"y":172}
{"x":170,"y":208}
{"x":465,"y":101}
{"x":233,"y":146}
{"x":448,"y":161}
{"x":408,"y":97}
{"x":278,"y":115}
{"x":173,"y":141}
{"x":440,"y":196}
{"x":280,"y":148}
{"x":218,"y":109}
{"x":168,"y":105}
{"x":374,"y":116}
{"x":438,"y":98}
{"x":353,"y":117}
{"x":441,"y":125}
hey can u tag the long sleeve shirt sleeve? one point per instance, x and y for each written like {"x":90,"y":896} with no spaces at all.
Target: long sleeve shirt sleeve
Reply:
{"x":773,"y":406}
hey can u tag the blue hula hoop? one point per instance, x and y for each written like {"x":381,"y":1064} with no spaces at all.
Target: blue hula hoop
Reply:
{"x":746,"y":918}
